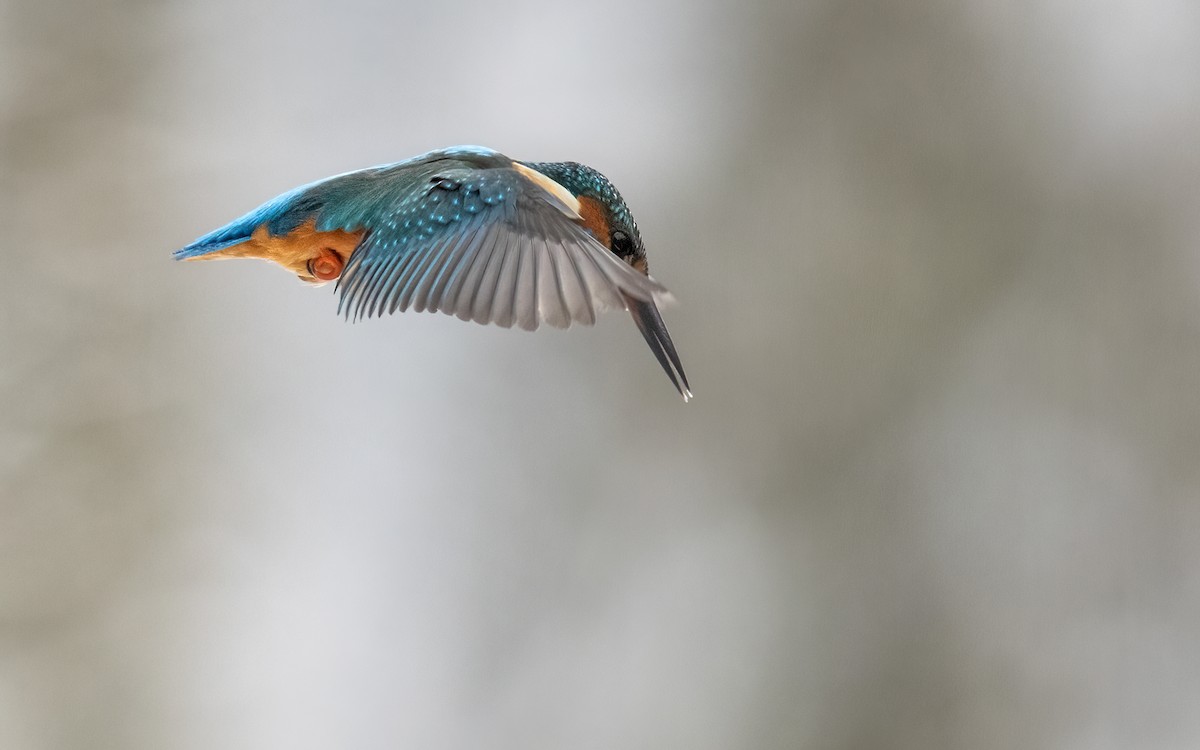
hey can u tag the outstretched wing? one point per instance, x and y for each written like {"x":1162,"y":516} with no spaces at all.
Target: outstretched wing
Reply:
{"x":490,"y":244}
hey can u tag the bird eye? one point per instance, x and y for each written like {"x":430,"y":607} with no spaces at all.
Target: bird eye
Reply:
{"x":621,"y":244}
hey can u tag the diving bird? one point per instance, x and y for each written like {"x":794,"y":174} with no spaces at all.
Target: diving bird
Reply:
{"x":465,"y":231}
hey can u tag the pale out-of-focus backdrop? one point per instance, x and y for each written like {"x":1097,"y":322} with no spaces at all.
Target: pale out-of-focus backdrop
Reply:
{"x":939,"y":287}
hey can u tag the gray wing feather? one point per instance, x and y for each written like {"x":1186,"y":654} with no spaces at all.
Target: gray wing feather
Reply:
{"x":481,"y":301}
{"x":459,"y":298}
{"x":525,"y":296}
{"x":550,"y":303}
{"x":504,"y":292}
{"x":453,"y":262}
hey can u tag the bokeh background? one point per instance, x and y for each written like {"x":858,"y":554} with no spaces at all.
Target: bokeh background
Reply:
{"x":939,"y":300}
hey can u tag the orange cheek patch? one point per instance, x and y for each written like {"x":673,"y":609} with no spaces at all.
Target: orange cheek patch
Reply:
{"x":327,"y":250}
{"x":595,"y":219}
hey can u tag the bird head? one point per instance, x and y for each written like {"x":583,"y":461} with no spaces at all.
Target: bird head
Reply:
{"x":601,"y":206}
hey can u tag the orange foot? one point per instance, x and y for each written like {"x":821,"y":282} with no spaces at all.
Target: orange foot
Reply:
{"x":327,"y":266}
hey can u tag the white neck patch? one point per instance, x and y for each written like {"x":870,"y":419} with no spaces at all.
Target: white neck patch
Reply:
{"x":563,"y":196}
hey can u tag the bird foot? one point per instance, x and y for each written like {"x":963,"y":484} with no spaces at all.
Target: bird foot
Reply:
{"x":327,"y":266}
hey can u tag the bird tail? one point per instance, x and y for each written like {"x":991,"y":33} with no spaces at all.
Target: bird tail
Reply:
{"x":231,"y":234}
{"x":649,"y":321}
{"x":281,"y":215}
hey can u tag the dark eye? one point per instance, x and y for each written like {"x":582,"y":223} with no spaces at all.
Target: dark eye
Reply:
{"x":621,"y":244}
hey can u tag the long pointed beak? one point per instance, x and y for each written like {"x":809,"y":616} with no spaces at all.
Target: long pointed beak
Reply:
{"x":649,"y":321}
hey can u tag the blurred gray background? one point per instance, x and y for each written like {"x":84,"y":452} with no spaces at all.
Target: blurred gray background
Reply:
{"x":939,"y":301}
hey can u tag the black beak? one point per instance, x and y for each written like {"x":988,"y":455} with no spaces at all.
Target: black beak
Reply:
{"x":650,"y":323}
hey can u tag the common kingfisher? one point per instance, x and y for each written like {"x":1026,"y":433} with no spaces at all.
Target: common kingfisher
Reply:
{"x":466,"y":231}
